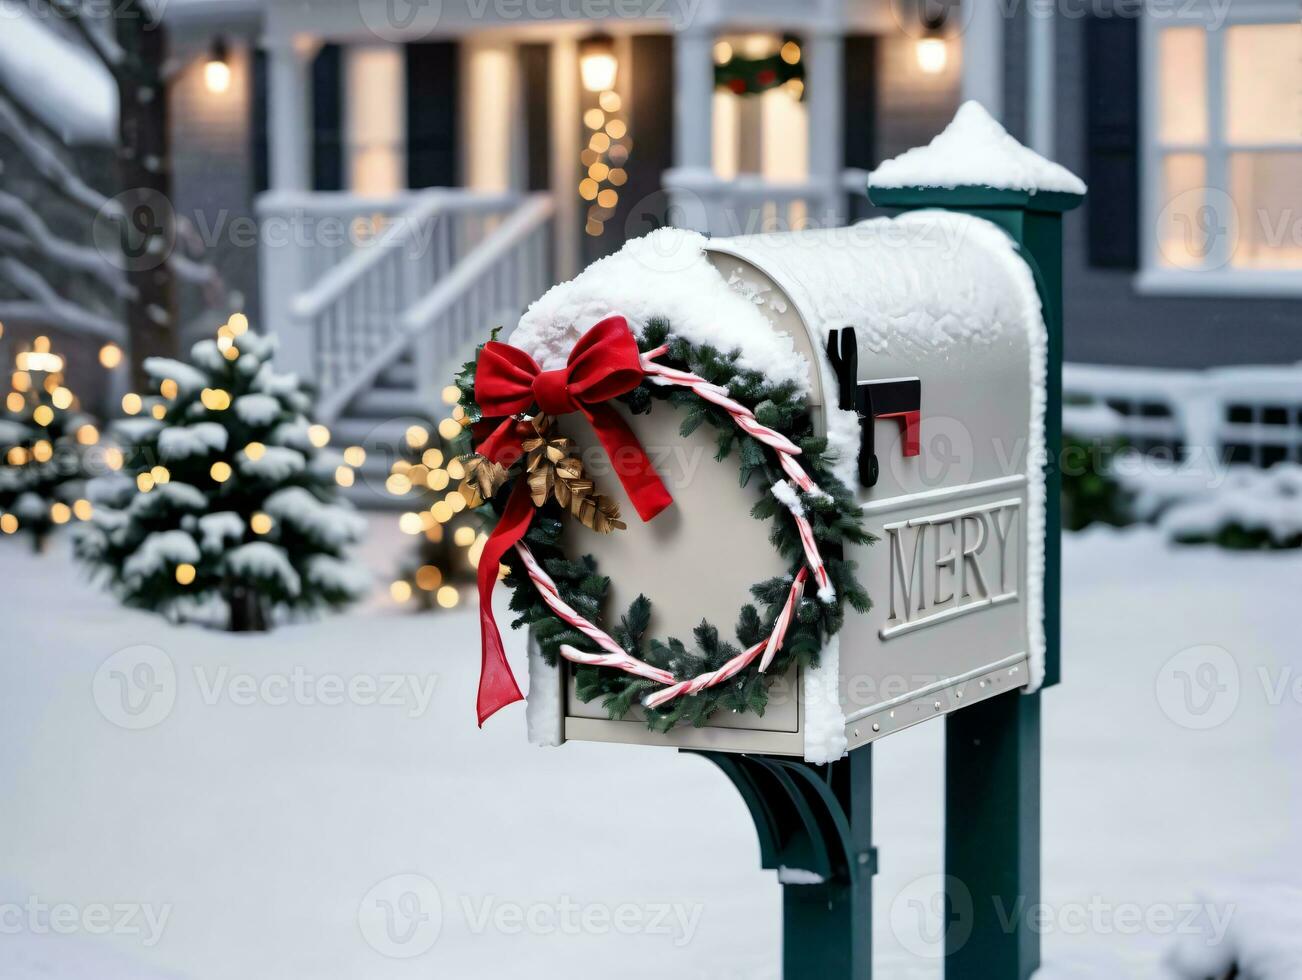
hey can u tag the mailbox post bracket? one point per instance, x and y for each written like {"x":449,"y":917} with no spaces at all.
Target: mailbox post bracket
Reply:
{"x":815,"y":829}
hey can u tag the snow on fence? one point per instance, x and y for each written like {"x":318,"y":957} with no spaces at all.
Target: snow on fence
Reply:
{"x":1247,"y":415}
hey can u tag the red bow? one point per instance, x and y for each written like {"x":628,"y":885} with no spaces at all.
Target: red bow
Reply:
{"x":603,"y":364}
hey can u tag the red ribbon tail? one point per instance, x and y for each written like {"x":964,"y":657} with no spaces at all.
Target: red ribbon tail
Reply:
{"x":497,"y":686}
{"x":630,"y":461}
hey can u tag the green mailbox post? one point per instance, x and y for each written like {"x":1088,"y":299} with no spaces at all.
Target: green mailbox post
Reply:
{"x":820,"y":817}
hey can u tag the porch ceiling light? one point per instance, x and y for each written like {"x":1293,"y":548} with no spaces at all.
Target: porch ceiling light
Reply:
{"x":597,"y":64}
{"x":931,"y":50}
{"x":217,"y":70}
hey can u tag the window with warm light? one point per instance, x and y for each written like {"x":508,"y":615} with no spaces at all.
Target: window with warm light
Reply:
{"x":375,"y":123}
{"x":765,"y":131}
{"x":1225,"y":148}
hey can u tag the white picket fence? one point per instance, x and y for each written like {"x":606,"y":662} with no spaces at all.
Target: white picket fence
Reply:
{"x":1248,"y":415}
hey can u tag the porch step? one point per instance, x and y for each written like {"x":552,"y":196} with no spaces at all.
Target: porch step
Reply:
{"x":386,"y":403}
{"x":400,"y":374}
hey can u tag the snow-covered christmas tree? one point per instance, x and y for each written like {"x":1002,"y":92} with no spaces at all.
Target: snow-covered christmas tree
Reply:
{"x":226,"y":511}
{"x":43,"y":437}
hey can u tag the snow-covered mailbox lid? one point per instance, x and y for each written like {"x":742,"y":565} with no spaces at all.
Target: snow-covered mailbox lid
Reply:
{"x":946,"y":357}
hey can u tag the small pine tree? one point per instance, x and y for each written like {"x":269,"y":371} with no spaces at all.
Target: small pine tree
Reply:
{"x":44,"y":437}
{"x":448,"y":540}
{"x":226,"y":510}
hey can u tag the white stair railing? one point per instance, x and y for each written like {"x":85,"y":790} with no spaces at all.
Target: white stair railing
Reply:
{"x":352,"y":309}
{"x":439,"y":308}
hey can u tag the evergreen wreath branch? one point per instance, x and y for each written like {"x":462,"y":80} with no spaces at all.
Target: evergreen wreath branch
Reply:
{"x":834,"y":518}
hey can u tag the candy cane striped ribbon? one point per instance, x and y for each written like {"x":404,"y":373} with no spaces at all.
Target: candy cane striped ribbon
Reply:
{"x":766,"y":649}
{"x":784,"y":447}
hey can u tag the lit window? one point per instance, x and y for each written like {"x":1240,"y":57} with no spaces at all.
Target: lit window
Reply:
{"x":1227,"y":156}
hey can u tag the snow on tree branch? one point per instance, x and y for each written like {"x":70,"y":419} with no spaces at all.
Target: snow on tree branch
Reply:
{"x":47,"y":306}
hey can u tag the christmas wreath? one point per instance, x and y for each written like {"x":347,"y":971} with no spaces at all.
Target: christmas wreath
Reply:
{"x":525,"y":480}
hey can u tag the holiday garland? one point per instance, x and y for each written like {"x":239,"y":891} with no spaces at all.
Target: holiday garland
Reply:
{"x":764,"y":425}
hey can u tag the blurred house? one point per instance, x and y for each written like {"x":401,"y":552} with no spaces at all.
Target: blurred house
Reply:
{"x":382,"y":179}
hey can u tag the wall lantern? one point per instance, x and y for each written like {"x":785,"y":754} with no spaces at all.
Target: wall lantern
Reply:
{"x":931,"y":49}
{"x":597,"y":64}
{"x":217,"y":70}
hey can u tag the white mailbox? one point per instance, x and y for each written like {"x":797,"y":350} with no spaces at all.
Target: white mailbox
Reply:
{"x":937,"y":409}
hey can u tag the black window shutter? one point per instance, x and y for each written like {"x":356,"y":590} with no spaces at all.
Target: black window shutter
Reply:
{"x":432,"y":99}
{"x":535,"y":77}
{"x":1112,"y":137}
{"x":260,"y":151}
{"x":328,"y":119}
{"x":859,"y":101}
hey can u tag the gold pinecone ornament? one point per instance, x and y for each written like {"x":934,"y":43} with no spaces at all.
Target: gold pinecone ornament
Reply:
{"x":553,"y":471}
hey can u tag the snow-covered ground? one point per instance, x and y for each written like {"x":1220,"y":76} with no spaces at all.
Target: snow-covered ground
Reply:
{"x":239,"y":823}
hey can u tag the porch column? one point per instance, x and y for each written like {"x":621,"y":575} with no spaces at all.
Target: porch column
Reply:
{"x":289,"y":112}
{"x":281,"y":261}
{"x":566,"y":146}
{"x":693,"y":118}
{"x":825,"y":79}
{"x":983,"y":58}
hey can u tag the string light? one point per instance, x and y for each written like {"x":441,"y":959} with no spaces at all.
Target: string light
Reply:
{"x":131,"y":403}
{"x":616,"y":129}
{"x":400,"y":590}
{"x":456,"y":501}
{"x":159,"y":412}
{"x":455,"y":470}
{"x":17,"y":456}
{"x":449,"y":428}
{"x":607,"y":198}
{"x":417,"y":436}
{"x":220,"y":471}
{"x":428,"y":578}
{"x":319,"y":436}
{"x":113,"y":458}
{"x":215,"y":399}
{"x":21,"y":381}
{"x":722,"y":52}
{"x":260,"y":523}
{"x":438,"y":479}
{"x":343,"y":476}
{"x":610,"y":101}
{"x":60,"y":513}
{"x":83,"y":509}
{"x":160,"y":475}
{"x":409,"y":523}
{"x":144,"y":482}
{"x":464,"y":536}
{"x":185,"y":573}
{"x":790,"y":53}
{"x":231,"y":353}
{"x":238,"y":323}
{"x":587,"y":188}
{"x":451,"y":394}
{"x":594,"y":118}
{"x":442,"y":511}
{"x":432,"y":458}
{"x":43,"y":415}
{"x":398,"y":484}
{"x":14,"y":402}
{"x":87,"y":435}
{"x":447,"y":597}
{"x":354,"y":455}
{"x":8,"y":523}
{"x":255,"y":451}
{"x":42,"y":451}
{"x":61,"y":397}
{"x":110,"y":356}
